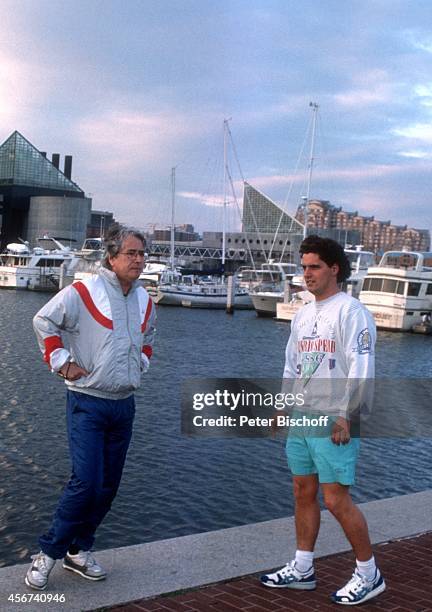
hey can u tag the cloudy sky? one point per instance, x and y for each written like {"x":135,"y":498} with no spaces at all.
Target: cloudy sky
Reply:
{"x":132,"y":88}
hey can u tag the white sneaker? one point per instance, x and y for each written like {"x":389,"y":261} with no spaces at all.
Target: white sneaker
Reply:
{"x":38,"y":572}
{"x":85,"y":565}
{"x":289,"y":577}
{"x":359,"y":589}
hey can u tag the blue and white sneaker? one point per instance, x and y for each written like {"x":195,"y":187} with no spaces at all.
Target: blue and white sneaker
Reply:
{"x":359,"y":589}
{"x":289,"y":577}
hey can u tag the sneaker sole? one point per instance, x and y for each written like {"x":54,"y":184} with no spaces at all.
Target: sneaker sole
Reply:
{"x":370,"y":595}
{"x":34,"y":586}
{"x":295,"y":586}
{"x":81,"y":573}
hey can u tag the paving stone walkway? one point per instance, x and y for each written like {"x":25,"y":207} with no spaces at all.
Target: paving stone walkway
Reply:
{"x":405,"y":564}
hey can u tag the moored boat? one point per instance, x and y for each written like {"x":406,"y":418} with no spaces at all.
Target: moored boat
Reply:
{"x":398,"y":291}
{"x":191,"y":292}
{"x":35,"y":269}
{"x":270,"y":292}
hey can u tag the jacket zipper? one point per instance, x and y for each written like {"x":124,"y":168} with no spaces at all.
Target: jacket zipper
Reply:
{"x":130,"y":338}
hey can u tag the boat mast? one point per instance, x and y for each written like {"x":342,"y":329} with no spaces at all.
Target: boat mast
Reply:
{"x":225,"y":130}
{"x":314,"y":106}
{"x":173,"y":177}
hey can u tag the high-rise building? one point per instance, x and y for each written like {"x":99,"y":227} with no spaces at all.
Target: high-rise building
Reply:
{"x":37,"y":198}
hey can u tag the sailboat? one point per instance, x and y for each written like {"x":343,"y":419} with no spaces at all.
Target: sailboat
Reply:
{"x":194,"y":292}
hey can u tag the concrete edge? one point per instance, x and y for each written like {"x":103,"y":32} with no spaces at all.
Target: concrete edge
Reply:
{"x":147,"y":570}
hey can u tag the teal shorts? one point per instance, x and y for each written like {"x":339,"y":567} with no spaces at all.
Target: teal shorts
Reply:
{"x":319,"y":455}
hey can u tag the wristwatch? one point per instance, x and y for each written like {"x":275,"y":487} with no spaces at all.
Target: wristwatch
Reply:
{"x":65,"y":376}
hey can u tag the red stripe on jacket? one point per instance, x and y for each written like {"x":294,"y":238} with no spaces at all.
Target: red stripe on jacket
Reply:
{"x":147,"y":314}
{"x":91,"y":306}
{"x":52,"y":343}
{"x":147,"y":349}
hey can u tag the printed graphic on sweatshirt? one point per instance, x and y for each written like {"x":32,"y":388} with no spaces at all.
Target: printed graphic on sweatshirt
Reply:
{"x":312,"y":352}
{"x":364,"y":342}
{"x":310,"y":362}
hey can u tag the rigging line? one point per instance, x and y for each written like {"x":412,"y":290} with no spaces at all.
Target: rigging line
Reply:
{"x":284,"y":211}
{"x":239,"y":214}
{"x":244,"y":190}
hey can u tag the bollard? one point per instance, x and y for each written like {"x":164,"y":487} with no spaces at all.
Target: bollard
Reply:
{"x":230,"y":295}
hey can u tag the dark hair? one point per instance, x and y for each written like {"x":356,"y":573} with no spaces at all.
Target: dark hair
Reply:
{"x":330,"y":251}
{"x":114,"y":239}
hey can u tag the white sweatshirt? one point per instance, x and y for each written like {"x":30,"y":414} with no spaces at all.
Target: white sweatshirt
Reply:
{"x":332,"y":339}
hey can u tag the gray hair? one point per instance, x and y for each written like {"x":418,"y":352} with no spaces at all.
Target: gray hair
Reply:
{"x":114,"y":239}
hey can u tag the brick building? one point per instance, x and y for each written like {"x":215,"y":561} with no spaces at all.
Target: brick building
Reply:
{"x":375,"y":235}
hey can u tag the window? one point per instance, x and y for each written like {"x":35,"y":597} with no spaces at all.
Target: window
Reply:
{"x":413,"y":289}
{"x":375,"y":284}
{"x":400,"y":289}
{"x":429,"y":289}
{"x":389,"y":285}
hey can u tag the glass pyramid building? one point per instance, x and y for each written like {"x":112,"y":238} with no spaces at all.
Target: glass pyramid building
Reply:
{"x":21,"y":164}
{"x":260,"y":214}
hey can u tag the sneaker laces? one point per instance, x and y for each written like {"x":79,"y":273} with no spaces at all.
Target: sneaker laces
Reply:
{"x":90,"y":560}
{"x":40,"y":563}
{"x":289,"y":570}
{"x":355,"y":584}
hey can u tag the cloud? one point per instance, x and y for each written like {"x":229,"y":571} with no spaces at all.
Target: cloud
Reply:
{"x":206,"y":199}
{"x":370,"y":87}
{"x":124,"y":140}
{"x":422,"y":45}
{"x":416,"y":154}
{"x":417,"y":131}
{"x":24,"y":85}
{"x":346,"y":174}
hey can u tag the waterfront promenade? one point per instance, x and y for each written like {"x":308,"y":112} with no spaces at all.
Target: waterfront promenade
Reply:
{"x":181,"y":564}
{"x":403,"y":593}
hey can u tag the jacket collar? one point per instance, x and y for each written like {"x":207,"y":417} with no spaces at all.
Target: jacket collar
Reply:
{"x":111,"y":278}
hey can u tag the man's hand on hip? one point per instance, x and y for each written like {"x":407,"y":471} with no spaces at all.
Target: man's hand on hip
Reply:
{"x":72,"y":371}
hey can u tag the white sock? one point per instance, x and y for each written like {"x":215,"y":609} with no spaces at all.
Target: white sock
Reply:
{"x":367,"y":568}
{"x":304,"y":560}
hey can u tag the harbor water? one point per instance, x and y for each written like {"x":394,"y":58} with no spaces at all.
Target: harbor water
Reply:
{"x":175,"y":485}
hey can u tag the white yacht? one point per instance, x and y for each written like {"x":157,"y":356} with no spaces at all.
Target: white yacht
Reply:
{"x":398,"y":291}
{"x":36,"y":269}
{"x":270,"y":291}
{"x":154,"y":273}
{"x":87,"y":260}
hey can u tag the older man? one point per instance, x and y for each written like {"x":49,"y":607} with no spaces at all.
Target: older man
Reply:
{"x":107,"y":323}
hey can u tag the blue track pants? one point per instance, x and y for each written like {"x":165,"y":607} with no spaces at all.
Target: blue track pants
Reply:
{"x":99,"y":433}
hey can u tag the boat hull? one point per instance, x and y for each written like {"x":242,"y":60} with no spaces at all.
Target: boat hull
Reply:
{"x":28,"y":279}
{"x":265,"y":303}
{"x":189,"y":300}
{"x":394,"y":318}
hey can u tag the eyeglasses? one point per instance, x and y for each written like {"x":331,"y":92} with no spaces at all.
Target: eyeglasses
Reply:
{"x":133,"y":253}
